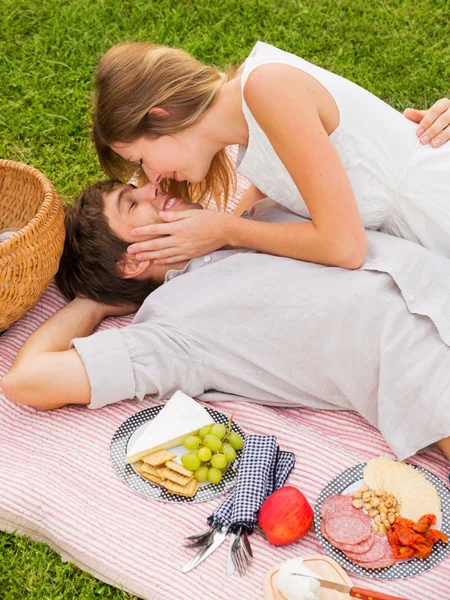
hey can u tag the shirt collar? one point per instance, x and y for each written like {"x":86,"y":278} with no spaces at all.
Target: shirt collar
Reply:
{"x":202,"y":261}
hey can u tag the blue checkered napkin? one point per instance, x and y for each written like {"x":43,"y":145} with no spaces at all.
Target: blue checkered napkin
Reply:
{"x":263,"y":469}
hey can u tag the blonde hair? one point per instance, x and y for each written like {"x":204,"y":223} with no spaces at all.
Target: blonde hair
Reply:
{"x":134,"y":77}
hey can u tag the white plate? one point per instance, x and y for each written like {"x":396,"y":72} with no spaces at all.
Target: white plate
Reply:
{"x":129,"y":429}
{"x":352,"y":479}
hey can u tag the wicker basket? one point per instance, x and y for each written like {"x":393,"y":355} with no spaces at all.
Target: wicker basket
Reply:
{"x":30,"y":258}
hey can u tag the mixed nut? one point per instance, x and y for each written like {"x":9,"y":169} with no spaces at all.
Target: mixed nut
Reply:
{"x":381,"y":506}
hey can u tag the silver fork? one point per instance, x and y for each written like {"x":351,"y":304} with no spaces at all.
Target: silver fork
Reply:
{"x":238,"y":556}
{"x":246,"y":546}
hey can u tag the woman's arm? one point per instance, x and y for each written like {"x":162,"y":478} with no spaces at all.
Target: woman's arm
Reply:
{"x":46,"y":372}
{"x":284,"y":104}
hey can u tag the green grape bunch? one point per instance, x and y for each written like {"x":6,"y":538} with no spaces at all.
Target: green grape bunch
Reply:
{"x":211,"y":450}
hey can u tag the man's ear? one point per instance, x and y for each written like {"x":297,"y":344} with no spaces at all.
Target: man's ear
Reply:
{"x":130,"y":268}
{"x":158,"y":111}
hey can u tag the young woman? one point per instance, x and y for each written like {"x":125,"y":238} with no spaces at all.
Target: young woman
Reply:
{"x":310,"y":140}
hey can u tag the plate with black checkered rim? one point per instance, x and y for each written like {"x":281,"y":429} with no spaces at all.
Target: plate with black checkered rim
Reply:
{"x":402,"y":569}
{"x":131,"y":477}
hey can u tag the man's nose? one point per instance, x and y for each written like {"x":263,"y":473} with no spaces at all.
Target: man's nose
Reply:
{"x":147,"y":192}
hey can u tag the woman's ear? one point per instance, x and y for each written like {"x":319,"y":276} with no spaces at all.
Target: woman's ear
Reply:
{"x":130,"y":268}
{"x":158,"y":111}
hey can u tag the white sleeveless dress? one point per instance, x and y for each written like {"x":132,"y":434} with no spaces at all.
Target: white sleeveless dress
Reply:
{"x":401,"y":186}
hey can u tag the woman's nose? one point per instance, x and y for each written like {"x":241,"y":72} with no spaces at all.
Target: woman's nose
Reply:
{"x":154,"y":178}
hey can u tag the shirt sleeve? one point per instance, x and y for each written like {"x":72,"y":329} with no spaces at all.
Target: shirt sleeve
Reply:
{"x":138,"y":360}
{"x":108,"y":365}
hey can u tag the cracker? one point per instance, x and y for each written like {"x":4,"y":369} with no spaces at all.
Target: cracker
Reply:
{"x":176,"y":477}
{"x":188,"y":490}
{"x":151,"y":470}
{"x":156,"y":459}
{"x":171,"y":464}
{"x":152,"y":478}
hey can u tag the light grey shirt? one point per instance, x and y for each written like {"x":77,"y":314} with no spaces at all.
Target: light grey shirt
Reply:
{"x":242,"y":325}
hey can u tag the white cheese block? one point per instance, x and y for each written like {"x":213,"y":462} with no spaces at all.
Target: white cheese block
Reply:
{"x":297,"y":588}
{"x":413,"y":491}
{"x":180,"y":417}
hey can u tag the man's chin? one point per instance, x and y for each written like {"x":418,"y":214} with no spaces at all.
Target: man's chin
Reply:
{"x":184,"y":205}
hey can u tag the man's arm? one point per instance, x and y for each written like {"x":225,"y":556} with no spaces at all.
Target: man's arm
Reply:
{"x":46,"y":372}
{"x":434,"y":123}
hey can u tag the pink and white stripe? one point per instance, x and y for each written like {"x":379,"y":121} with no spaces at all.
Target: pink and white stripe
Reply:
{"x":57,"y":485}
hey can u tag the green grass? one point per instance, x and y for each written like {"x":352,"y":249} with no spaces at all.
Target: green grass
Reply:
{"x":30,"y":571}
{"x":48,"y":51}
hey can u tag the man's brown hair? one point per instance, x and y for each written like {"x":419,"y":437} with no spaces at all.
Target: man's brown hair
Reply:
{"x":91,"y":252}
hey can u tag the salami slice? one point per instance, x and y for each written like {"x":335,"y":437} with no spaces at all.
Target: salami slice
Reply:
{"x":383,"y":563}
{"x":323,"y":531}
{"x":386,"y":560}
{"x":376,"y":553}
{"x":348,"y":529}
{"x":334,"y":503}
{"x":347,"y":511}
{"x":360,"y":548}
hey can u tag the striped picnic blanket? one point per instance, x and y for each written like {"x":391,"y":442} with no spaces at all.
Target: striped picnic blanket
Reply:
{"x":57,"y":485}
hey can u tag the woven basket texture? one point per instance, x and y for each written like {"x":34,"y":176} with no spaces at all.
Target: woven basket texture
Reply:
{"x":29,"y":258}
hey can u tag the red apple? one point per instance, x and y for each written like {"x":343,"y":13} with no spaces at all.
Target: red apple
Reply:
{"x":285,"y":516}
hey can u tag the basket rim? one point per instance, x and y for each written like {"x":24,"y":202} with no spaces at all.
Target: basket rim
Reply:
{"x":51,"y":198}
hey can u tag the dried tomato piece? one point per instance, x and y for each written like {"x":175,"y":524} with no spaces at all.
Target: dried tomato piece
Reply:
{"x":392,"y":537}
{"x":435,"y":536}
{"x":423,"y":549}
{"x":403,"y":521}
{"x":414,"y":540}
{"x":406,"y":537}
{"x":423,"y":524}
{"x":403,"y":552}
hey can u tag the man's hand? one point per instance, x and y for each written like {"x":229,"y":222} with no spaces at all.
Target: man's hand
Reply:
{"x":47,"y":373}
{"x":434,"y":123}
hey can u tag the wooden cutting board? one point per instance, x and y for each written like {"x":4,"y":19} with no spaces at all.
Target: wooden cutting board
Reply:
{"x":321,"y":565}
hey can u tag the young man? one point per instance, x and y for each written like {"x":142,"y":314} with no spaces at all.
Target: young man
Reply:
{"x":237,"y":324}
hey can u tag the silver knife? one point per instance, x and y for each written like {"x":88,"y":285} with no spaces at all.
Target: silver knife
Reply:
{"x":219,"y":538}
{"x":230,"y":564}
{"x":331,"y":585}
{"x":347,"y":589}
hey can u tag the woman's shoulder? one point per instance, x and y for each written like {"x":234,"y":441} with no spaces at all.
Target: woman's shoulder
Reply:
{"x":289,"y":82}
{"x":267,"y":64}
{"x":262,"y":49}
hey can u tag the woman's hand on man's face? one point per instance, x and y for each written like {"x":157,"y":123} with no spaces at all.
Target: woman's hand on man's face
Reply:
{"x":184,"y":235}
{"x":434,"y":123}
